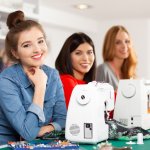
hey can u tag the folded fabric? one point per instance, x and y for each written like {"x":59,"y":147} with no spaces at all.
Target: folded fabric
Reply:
{"x":119,"y":131}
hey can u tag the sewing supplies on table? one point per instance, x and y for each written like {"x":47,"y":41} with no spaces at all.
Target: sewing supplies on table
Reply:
{"x":140,"y":138}
{"x":56,"y":135}
{"x":44,"y":145}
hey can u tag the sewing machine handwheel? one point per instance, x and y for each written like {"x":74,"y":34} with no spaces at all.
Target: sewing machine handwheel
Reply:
{"x":83,"y":99}
{"x":128,"y":91}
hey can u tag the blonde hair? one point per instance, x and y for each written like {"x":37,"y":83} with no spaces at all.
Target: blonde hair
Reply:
{"x":129,"y":65}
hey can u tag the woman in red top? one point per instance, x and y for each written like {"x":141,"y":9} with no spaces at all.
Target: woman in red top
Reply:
{"x":76,"y":62}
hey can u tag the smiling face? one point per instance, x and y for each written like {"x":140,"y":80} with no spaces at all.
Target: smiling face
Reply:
{"x":32,"y":48}
{"x":82,"y":59}
{"x":122,"y":43}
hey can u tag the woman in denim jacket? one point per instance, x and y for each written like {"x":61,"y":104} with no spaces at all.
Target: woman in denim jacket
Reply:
{"x":31,"y":94}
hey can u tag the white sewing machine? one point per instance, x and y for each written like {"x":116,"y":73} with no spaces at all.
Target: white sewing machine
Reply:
{"x":133,"y":103}
{"x":85,"y":118}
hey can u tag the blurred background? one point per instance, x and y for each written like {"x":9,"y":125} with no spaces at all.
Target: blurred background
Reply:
{"x":61,"y":18}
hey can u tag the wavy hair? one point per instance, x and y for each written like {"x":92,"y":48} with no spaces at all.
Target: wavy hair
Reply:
{"x":108,"y":51}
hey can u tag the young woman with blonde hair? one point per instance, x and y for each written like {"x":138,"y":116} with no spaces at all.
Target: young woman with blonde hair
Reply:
{"x":119,"y":57}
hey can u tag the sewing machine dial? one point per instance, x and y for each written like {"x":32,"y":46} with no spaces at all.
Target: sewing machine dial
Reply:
{"x":128,"y":91}
{"x":83,"y":98}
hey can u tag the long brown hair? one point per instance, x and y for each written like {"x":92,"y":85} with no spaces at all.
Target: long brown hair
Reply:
{"x":129,"y":65}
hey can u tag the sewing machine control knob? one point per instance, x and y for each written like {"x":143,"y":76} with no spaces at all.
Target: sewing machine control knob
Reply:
{"x":129,"y":91}
{"x":83,"y":98}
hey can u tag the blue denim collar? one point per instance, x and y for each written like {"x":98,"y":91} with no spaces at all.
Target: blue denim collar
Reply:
{"x":23,"y":78}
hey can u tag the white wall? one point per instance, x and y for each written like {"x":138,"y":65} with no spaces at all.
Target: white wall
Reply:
{"x":59,"y":25}
{"x":148,"y":49}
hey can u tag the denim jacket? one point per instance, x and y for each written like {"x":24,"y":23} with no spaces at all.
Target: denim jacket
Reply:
{"x":19,"y":116}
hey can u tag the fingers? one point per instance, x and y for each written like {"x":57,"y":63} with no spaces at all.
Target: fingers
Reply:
{"x":36,"y":75}
{"x":32,"y":71}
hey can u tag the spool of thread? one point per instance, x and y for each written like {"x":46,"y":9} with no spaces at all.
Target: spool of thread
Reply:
{"x":140,"y":138}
